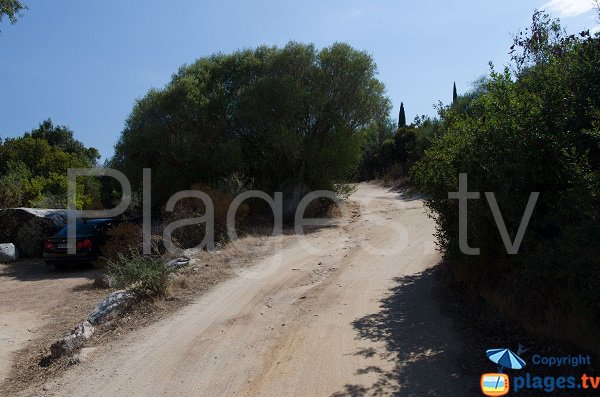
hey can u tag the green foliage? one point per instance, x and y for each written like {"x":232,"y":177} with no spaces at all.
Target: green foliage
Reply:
{"x":378,"y":150}
{"x":402,"y":116}
{"x":14,"y":185}
{"x":533,"y":131}
{"x":411,"y":141}
{"x":454,"y":93}
{"x":34,"y":169}
{"x":344,"y":190}
{"x":546,"y":41}
{"x":62,"y":138}
{"x":11,"y":9}
{"x":147,"y":277}
{"x":390,"y":154}
{"x":387,"y":148}
{"x":462,"y":103}
{"x":277,"y":115}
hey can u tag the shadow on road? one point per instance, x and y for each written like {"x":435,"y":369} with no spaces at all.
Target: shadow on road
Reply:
{"x":36,"y":269}
{"x":408,"y":195}
{"x":418,"y":340}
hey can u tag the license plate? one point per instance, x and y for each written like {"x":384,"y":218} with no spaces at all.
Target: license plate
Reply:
{"x":62,"y":246}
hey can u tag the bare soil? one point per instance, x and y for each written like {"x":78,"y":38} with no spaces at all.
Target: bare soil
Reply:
{"x":37,"y":305}
{"x":346,"y":310}
{"x":69,"y":297}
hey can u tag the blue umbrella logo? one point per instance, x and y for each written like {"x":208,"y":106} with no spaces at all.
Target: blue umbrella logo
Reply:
{"x":505,"y":359}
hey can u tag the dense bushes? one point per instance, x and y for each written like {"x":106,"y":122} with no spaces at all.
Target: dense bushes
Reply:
{"x":534,"y":130}
{"x":120,"y":240}
{"x":390,"y":152}
{"x":191,"y":236}
{"x":378,"y":150}
{"x":281,"y":116}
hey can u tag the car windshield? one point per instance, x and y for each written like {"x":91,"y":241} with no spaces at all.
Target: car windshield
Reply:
{"x":82,"y":229}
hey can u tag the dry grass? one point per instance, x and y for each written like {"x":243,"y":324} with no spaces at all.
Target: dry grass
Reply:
{"x":192,"y":235}
{"x":120,"y":241}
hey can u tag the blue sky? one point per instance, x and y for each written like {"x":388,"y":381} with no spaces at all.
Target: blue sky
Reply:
{"x":84,"y":63}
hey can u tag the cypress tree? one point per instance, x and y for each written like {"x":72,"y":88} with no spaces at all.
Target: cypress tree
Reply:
{"x":454,"y":94}
{"x":402,"y":116}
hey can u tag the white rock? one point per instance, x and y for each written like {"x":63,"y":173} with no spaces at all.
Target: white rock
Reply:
{"x":28,"y":227}
{"x":8,"y":253}
{"x":113,"y":303}
{"x":68,"y":344}
{"x":177,"y":263}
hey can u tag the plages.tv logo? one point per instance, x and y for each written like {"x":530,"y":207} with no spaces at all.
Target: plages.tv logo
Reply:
{"x":498,"y":384}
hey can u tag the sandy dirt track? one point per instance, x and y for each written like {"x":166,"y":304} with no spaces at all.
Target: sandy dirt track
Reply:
{"x":345,"y":311}
{"x":38,"y":303}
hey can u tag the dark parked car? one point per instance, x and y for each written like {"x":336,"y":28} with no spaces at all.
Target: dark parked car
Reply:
{"x":90,"y":235}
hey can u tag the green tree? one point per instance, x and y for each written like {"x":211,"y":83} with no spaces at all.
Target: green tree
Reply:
{"x":11,"y":9}
{"x":62,"y":137}
{"x":33,"y":169}
{"x":454,"y":93}
{"x":378,"y":150}
{"x":401,"y":116}
{"x":281,"y":116}
{"x":14,"y":185}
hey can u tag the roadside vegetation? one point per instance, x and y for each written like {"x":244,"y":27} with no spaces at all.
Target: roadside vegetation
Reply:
{"x":532,"y":128}
{"x":145,"y":276}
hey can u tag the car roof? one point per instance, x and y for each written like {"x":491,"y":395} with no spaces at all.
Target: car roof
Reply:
{"x":90,"y":226}
{"x":94,"y":221}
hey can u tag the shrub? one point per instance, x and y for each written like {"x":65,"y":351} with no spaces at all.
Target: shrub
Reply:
{"x":395,"y":177}
{"x":127,"y":237}
{"x":534,"y":131}
{"x":236,"y":184}
{"x":344,"y":190}
{"x":122,"y":239}
{"x":146,"y":276}
{"x":13,"y":186}
{"x":192,"y":235}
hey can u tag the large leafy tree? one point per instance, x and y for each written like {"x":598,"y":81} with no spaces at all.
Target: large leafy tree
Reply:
{"x":33,"y":168}
{"x":62,"y":138}
{"x":282,"y":116}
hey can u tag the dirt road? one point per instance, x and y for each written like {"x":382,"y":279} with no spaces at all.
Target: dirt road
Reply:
{"x":38,"y":303}
{"x":353,"y":314}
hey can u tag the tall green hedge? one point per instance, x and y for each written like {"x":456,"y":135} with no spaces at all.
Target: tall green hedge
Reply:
{"x":533,"y":129}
